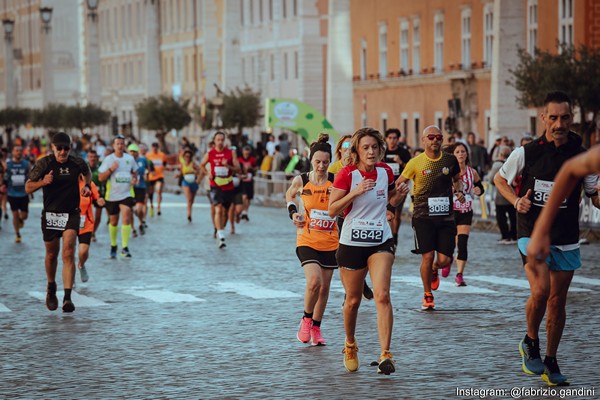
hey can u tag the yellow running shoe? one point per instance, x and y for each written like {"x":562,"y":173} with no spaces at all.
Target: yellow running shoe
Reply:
{"x":18,"y":239}
{"x":351,"y":362}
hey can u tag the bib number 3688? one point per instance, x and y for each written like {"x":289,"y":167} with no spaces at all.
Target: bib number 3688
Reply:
{"x":439,"y":206}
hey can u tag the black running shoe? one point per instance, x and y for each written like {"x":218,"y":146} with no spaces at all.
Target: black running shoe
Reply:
{"x":51,"y":299}
{"x":367,"y":292}
{"x":68,"y":306}
{"x":142,"y":229}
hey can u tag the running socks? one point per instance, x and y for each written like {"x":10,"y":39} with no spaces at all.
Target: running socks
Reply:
{"x":308,"y":315}
{"x":316,"y":323}
{"x":113,"y":231}
{"x":67,"y":294}
{"x":125,"y":234}
{"x":221,"y":233}
{"x":529,"y":340}
{"x":52,"y":286}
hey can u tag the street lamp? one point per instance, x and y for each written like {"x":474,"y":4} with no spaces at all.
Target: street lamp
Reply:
{"x":9,"y":26}
{"x":46,"y":16}
{"x":94,"y":87}
{"x":92,"y":6}
{"x":47,"y":67}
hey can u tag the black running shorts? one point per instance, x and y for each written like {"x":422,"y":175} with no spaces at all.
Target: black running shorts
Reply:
{"x":356,"y":257}
{"x":113,"y":206}
{"x":19,"y":203}
{"x":85,"y":238}
{"x":465,"y":218}
{"x":434,"y":234}
{"x":308,"y":255}
{"x":220,"y":196}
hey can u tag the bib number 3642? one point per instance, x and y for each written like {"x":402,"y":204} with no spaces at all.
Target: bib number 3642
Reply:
{"x":367,"y":231}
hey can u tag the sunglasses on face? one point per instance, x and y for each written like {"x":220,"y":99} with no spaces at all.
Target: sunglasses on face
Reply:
{"x":435,"y":137}
{"x":346,"y":145}
{"x":62,"y":148}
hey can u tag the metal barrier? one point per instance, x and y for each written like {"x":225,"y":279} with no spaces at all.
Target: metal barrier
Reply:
{"x":270,"y":187}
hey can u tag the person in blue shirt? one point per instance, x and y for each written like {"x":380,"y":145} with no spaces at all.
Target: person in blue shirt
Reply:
{"x":140,"y":188}
{"x":17,"y":171}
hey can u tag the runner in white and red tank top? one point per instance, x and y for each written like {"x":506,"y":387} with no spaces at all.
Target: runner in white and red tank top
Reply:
{"x":362,"y":190}
{"x":463,"y":212}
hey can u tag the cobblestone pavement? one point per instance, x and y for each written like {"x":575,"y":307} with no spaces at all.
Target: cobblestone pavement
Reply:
{"x":185,"y":320}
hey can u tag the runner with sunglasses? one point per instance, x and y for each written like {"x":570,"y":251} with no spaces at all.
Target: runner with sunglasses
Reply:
{"x":58,"y":175}
{"x":436,"y":177}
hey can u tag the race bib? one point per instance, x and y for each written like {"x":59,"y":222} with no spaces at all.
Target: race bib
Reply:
{"x":56,"y":221}
{"x":17,"y":180}
{"x":466,"y":206}
{"x":81,"y":221}
{"x":321,"y":221}
{"x":395,"y":168}
{"x":189,"y":178}
{"x":123,"y":177}
{"x":157,"y":162}
{"x":438,"y":206}
{"x":366,"y":231}
{"x":541,"y":193}
{"x":221,"y":172}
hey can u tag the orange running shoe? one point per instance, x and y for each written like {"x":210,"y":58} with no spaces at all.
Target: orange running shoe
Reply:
{"x":428,"y":303}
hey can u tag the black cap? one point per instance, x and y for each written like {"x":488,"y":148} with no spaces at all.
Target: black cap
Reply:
{"x":61,"y":138}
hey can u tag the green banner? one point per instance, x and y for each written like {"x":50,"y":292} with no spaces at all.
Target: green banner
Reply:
{"x":298,"y":117}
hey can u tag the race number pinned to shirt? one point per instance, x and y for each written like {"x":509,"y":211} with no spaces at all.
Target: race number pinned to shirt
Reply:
{"x":466,"y":206}
{"x":438,"y":206}
{"x":56,"y":221}
{"x":321,"y":221}
{"x":395,"y":168}
{"x":17,"y":180}
{"x":367,"y":231}
{"x":221,"y":172}
{"x":123,"y":177}
{"x":541,"y":193}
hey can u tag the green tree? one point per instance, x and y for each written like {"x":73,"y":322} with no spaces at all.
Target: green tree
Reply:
{"x":162,"y":114}
{"x":80,"y":118}
{"x":575,"y":71}
{"x":241,"y":109}
{"x":12,"y":118}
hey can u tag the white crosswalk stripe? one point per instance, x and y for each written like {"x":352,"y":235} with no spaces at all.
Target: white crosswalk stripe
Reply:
{"x":78,"y":299}
{"x":254,"y":291}
{"x":519,"y":283}
{"x":164,"y":296}
{"x":446,"y":285}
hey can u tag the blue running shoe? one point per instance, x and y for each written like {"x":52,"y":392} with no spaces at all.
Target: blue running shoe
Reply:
{"x":125,"y":252}
{"x":113,"y":252}
{"x":552,"y":375}
{"x":532,"y":362}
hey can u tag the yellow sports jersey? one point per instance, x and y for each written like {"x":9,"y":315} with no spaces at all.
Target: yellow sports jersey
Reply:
{"x":335,"y":167}
{"x":432,"y":184}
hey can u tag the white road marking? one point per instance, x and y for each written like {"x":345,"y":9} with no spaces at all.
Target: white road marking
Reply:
{"x":164,"y":296}
{"x":78,"y":299}
{"x":251,"y":290}
{"x":446,"y":285}
{"x":586,"y":281}
{"x":519,"y":283}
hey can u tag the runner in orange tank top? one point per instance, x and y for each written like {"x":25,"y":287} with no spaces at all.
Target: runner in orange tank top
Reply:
{"x":317,"y":238}
{"x":86,"y":225}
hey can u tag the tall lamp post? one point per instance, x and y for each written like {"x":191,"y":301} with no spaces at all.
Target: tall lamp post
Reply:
{"x":94,"y":90}
{"x":9,"y":81}
{"x":47,"y":67}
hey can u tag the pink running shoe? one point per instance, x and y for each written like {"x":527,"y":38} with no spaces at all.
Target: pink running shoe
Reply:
{"x":446,"y":269}
{"x":304,"y":330}
{"x":315,"y":336}
{"x":459,"y":280}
